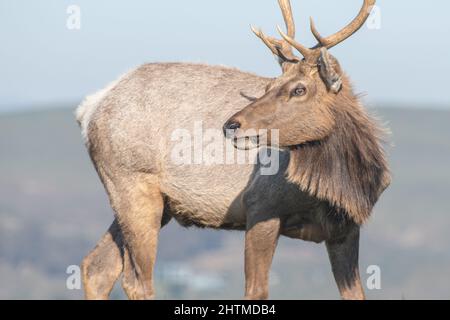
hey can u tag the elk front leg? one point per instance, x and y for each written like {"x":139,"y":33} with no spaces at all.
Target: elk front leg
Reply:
{"x":260,"y":242}
{"x":343,"y":254}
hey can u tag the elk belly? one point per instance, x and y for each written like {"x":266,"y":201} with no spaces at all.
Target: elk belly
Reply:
{"x":306,"y":232}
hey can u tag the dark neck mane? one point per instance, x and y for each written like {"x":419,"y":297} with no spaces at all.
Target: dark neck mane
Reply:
{"x":347,"y":169}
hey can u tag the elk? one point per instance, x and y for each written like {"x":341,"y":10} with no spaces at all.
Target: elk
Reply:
{"x":332,"y":167}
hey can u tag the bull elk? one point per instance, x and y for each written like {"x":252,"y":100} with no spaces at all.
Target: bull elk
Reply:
{"x":332,"y":167}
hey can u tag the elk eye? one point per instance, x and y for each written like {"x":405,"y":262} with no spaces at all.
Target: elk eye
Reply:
{"x":299,"y":91}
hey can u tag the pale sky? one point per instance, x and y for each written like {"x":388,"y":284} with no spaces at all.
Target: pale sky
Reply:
{"x":44,"y":64}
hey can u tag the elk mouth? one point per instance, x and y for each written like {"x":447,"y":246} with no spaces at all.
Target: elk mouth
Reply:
{"x":247,"y":142}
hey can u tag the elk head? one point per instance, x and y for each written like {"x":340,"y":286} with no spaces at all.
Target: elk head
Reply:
{"x":299,"y":104}
{"x":335,"y":146}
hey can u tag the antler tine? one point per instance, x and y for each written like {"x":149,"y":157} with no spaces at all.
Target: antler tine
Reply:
{"x":316,"y":33}
{"x":281,"y":48}
{"x":264,"y":39}
{"x":286,"y":10}
{"x":306,"y":52}
{"x":346,"y":32}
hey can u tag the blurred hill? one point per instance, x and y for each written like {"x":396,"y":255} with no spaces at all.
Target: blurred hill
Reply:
{"x":53,"y":210}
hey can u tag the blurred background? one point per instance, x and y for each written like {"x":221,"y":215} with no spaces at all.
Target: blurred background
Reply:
{"x":53,"y":208}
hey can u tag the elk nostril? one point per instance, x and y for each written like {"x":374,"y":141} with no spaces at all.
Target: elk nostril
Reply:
{"x":230,"y":127}
{"x":234,"y":126}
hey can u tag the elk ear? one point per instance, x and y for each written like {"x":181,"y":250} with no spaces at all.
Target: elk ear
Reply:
{"x":330,"y":71}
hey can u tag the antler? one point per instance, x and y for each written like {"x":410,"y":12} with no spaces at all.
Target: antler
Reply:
{"x":306,"y":52}
{"x":279,"y":47}
{"x":284,"y":48}
{"x":346,"y":32}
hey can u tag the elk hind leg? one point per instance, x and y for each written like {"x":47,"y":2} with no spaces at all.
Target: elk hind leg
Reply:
{"x":130,"y":282}
{"x":103,"y":265}
{"x":138,"y":204}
